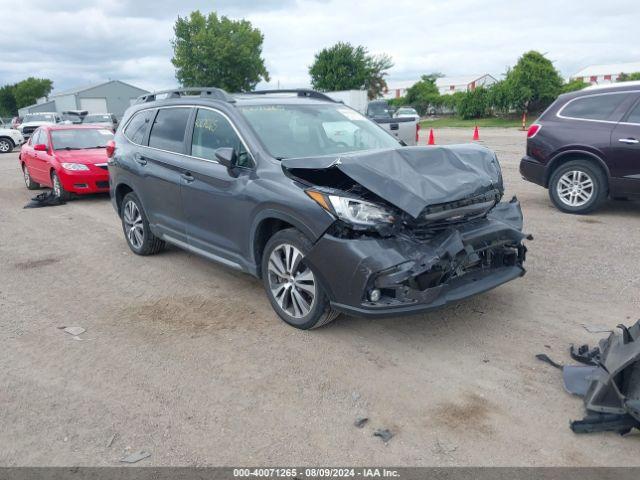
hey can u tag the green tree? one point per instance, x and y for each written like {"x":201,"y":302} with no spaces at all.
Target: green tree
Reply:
{"x":573,"y":86}
{"x":424,"y":93}
{"x":347,"y":67}
{"x":218,"y":52}
{"x":8,"y":107}
{"x":340,"y":67}
{"x":474,"y":104}
{"x":533,"y":83}
{"x":375,"y":82}
{"x":27,"y":91}
{"x":628,"y":77}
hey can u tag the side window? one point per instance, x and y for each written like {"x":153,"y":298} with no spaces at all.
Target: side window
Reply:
{"x":169,"y":127}
{"x":634,"y":116}
{"x":212,"y":131}
{"x":596,"y":107}
{"x":137,"y":127}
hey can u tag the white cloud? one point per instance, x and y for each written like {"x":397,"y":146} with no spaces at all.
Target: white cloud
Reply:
{"x":80,"y":42}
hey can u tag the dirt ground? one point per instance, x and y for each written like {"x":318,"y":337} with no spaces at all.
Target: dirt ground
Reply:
{"x":185,"y":358}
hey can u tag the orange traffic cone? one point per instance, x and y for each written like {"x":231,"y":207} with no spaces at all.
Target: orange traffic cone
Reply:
{"x":476,"y":134}
{"x":432,"y":140}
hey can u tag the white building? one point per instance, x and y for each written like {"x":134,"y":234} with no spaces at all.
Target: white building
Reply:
{"x":451,"y":85}
{"x":599,"y":74}
{"x":446,"y":85}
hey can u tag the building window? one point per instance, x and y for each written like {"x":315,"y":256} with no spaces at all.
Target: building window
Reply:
{"x":593,"y":79}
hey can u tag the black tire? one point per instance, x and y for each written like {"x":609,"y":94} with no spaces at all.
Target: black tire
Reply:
{"x":57,"y":188}
{"x":320,"y":312}
{"x":6,"y":145}
{"x":28,"y":181}
{"x":587,"y":170}
{"x":148,"y":243}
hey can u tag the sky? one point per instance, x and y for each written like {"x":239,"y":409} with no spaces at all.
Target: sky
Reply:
{"x":82,"y":42}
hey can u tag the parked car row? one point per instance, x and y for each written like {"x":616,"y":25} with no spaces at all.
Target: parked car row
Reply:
{"x":332,"y":212}
{"x":29,"y":123}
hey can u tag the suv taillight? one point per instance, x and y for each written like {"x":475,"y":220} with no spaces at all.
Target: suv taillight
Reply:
{"x":111,"y":148}
{"x":533,"y":130}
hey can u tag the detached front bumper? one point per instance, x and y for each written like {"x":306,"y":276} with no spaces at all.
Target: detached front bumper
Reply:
{"x":414,"y":275}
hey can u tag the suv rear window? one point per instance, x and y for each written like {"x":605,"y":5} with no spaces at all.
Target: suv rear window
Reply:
{"x":594,"y":107}
{"x":137,"y":127}
{"x":169,"y":127}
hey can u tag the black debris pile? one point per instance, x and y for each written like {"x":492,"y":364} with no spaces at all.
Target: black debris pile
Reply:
{"x":608,"y":379}
{"x":45,"y":199}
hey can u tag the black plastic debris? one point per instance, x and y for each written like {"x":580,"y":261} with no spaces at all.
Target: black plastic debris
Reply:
{"x":609,"y":383}
{"x":360,"y":422}
{"x":385,"y":434}
{"x":543,"y":357}
{"x":45,"y":199}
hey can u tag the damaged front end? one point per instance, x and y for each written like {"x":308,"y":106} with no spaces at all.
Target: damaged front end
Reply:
{"x":416,"y":228}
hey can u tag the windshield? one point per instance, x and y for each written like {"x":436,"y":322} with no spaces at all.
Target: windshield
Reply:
{"x":290,"y":131}
{"x":77,"y":139}
{"x":97,"y":118}
{"x":39,"y":117}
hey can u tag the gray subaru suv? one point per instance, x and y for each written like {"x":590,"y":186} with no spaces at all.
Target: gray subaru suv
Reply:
{"x":331,"y":212}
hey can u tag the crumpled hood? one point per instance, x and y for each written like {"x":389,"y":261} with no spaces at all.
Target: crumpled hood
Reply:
{"x":413,"y":178}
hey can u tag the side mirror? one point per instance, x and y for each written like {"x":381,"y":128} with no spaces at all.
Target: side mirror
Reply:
{"x":40,"y":147}
{"x":226,"y":156}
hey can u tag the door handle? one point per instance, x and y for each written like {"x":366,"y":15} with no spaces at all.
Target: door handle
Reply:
{"x":630,"y":141}
{"x":188,"y":177}
{"x":140,"y":159}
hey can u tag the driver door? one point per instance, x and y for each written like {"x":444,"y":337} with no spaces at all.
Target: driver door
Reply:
{"x":216,"y":206}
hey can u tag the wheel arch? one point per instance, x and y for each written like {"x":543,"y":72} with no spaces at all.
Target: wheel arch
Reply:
{"x":121,"y":190}
{"x":570,"y":155}
{"x":265,"y":225}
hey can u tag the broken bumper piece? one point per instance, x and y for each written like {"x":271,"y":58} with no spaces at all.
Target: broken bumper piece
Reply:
{"x":373,"y":276}
{"x":609,"y":382}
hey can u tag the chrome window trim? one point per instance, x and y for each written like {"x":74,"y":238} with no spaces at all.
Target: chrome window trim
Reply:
{"x":559,"y":113}
{"x":226,"y":117}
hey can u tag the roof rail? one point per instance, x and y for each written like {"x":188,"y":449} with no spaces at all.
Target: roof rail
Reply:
{"x":300,"y":92}
{"x":207,"y":92}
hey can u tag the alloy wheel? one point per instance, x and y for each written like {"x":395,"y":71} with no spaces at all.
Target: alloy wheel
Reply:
{"x":291,"y":282}
{"x":575,"y":188}
{"x":5,"y":146}
{"x":133,"y":224}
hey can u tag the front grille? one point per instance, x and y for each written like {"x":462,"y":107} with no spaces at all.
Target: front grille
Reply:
{"x":102,"y":184}
{"x":28,"y":130}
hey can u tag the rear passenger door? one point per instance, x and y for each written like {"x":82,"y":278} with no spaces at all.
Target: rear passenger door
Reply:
{"x":161,"y":165}
{"x":625,"y":152}
{"x":215,"y":205}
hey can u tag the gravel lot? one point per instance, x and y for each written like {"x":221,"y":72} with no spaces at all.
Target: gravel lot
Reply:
{"x":185,"y":358}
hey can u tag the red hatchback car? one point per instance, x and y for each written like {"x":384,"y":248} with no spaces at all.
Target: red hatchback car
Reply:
{"x":67,"y":158}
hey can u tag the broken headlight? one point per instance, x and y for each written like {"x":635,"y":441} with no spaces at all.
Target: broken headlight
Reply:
{"x":353,"y":210}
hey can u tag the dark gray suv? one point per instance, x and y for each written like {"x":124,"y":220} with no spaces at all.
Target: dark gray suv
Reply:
{"x":329,"y":210}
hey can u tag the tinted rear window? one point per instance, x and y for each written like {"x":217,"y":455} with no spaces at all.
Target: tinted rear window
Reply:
{"x":634,"y":116}
{"x":596,"y":107}
{"x":137,"y":127}
{"x":167,"y":132}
